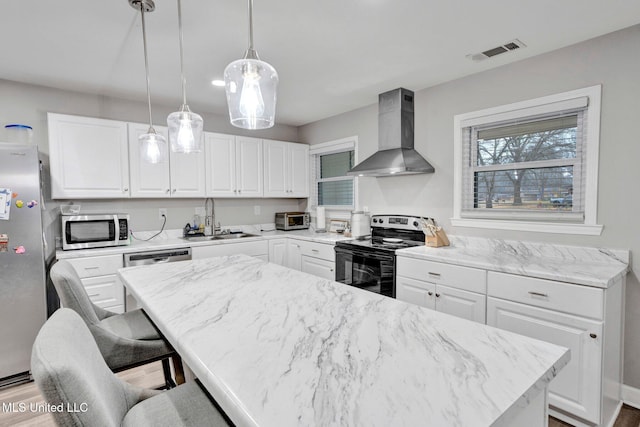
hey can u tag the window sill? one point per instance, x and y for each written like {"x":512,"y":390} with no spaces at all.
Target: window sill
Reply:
{"x":538,"y":227}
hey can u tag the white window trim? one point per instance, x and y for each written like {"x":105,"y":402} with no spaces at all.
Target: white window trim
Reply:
{"x":546,"y":103}
{"x":335,"y":146}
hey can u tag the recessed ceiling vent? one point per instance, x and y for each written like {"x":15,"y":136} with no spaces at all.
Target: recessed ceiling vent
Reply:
{"x":507,"y":47}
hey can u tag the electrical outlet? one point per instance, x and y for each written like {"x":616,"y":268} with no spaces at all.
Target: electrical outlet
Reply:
{"x":200,"y":211}
{"x":256,"y":210}
{"x":162,"y":212}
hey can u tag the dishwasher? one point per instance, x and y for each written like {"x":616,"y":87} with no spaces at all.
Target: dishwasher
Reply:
{"x":152,"y":257}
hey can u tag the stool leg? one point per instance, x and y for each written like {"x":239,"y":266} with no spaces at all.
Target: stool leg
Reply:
{"x":178,"y":369}
{"x":166,"y":369}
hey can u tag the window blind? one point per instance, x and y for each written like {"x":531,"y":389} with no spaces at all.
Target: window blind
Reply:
{"x":529,"y":168}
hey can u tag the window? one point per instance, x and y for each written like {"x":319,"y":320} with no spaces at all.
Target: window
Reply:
{"x":531,"y":165}
{"x":331,"y":185}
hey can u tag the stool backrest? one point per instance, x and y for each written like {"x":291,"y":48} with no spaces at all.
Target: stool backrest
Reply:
{"x":72,"y":375}
{"x":72,"y":292}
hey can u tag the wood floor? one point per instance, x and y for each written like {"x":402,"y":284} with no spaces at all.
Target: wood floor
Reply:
{"x":151,"y":376}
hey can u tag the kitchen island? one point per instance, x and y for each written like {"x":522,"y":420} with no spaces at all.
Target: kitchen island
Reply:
{"x":278,"y":347}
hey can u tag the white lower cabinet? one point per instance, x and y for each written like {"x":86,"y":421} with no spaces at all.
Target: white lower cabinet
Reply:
{"x":587,"y":320}
{"x":258,"y":249}
{"x":278,"y":251}
{"x":100,"y":279}
{"x":314,"y":258}
{"x":318,"y":267}
{"x":294,"y":254}
{"x":459,"y":291}
{"x":576,"y":389}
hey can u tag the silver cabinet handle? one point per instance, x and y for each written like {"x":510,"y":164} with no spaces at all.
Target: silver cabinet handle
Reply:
{"x":173,"y":191}
{"x":125,"y":190}
{"x":331,"y":269}
{"x":168,"y":191}
{"x":433,"y":274}
{"x":93,"y":295}
{"x":437,"y":295}
{"x":429,"y":293}
{"x":592,"y":335}
{"x":91,"y":268}
{"x":315,"y":250}
{"x":538,"y":294}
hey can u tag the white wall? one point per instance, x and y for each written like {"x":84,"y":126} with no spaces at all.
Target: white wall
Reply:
{"x":29,"y":104}
{"x":611,"y":60}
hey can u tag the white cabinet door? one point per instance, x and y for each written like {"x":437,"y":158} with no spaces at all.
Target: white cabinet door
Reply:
{"x":278,"y":251}
{"x":187,"y":174}
{"x":577,"y":388}
{"x":286,"y":169}
{"x":147,"y":179}
{"x":88,"y":157}
{"x":294,"y":254}
{"x":465,"y":304}
{"x":416,"y":292}
{"x":318,"y":267}
{"x":298,"y":170}
{"x":220,"y":168}
{"x":275,"y":169}
{"x":249,"y":166}
{"x":233,"y":166}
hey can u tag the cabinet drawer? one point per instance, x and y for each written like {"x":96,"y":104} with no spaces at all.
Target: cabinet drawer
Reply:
{"x":317,"y":250}
{"x":97,"y":266}
{"x":565,"y":297}
{"x":465,"y":278}
{"x":104,"y":290}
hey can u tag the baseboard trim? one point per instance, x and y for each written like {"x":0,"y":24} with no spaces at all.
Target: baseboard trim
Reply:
{"x":631,"y":396}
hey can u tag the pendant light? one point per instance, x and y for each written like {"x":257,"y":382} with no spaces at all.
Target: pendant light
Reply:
{"x":153,"y":146}
{"x":185,"y":127}
{"x":251,"y":88}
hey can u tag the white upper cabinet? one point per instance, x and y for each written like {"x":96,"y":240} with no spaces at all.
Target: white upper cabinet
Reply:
{"x":147,"y":179}
{"x":89,"y":157}
{"x":182,"y":175}
{"x":233,"y":166}
{"x":286,"y":169}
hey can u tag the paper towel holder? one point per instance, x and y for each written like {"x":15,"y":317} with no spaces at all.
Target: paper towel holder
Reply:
{"x":321,"y":221}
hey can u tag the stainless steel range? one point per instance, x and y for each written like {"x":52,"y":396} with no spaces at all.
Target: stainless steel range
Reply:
{"x":371,"y":264}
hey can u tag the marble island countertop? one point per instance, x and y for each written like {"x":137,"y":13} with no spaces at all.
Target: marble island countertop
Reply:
{"x":589,"y":266}
{"x":278,"y":347}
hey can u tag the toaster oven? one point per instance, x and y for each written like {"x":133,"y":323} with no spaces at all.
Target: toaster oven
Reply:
{"x":292,"y":220}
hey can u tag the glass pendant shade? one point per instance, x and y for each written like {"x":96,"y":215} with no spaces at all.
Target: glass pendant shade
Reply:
{"x":251,"y":86}
{"x":185,"y":131}
{"x":153,"y":147}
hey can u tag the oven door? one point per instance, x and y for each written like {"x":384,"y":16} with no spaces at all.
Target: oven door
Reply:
{"x":370,"y":270}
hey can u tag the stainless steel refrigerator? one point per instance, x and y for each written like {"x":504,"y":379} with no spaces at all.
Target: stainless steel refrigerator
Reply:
{"x":22,"y":263}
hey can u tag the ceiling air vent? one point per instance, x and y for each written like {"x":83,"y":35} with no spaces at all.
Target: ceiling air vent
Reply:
{"x":509,"y":46}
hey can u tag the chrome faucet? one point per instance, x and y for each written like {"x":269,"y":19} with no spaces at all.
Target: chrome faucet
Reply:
{"x":210,"y":228}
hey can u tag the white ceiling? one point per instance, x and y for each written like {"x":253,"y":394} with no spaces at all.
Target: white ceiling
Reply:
{"x":331,"y":55}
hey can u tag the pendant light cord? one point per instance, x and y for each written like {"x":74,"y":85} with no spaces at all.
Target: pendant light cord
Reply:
{"x":146,"y":64}
{"x":251,"y":52}
{"x":184,"y":80}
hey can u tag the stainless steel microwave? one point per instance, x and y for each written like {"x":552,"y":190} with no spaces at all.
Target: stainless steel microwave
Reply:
{"x":292,"y":220}
{"x":94,"y":231}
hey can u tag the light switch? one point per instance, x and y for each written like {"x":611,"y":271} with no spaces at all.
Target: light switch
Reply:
{"x":256,"y":210}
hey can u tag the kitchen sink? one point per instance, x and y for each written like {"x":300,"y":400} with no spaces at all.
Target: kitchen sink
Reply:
{"x":231,"y":236}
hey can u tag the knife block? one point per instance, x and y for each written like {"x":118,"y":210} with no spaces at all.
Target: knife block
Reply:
{"x":437,"y":240}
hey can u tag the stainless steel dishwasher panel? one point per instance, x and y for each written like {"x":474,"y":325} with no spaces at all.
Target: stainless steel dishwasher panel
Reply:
{"x":149,"y":258}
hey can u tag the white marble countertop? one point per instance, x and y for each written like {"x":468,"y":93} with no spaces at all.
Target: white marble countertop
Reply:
{"x":173,"y":239}
{"x":574,"y":264}
{"x":278,"y":347}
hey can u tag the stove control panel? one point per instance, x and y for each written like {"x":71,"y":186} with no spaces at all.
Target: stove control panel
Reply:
{"x":402,"y":222}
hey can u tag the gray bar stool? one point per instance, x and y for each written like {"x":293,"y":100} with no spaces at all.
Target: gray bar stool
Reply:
{"x":72,"y":375}
{"x":125,"y":340}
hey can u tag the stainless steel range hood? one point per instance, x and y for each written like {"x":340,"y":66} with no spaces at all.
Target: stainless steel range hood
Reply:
{"x":395,"y":155}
